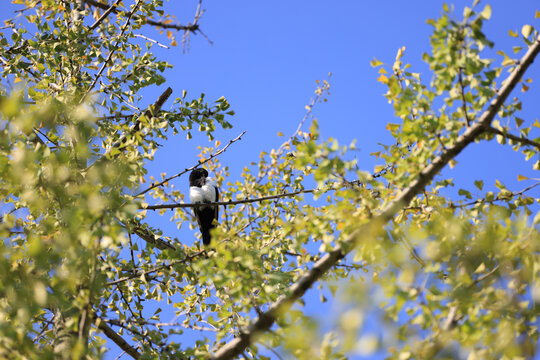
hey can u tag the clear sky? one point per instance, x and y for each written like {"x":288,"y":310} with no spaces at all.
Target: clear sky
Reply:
{"x":266,"y":56}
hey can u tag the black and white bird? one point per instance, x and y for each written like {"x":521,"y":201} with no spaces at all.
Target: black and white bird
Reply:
{"x":203,"y":190}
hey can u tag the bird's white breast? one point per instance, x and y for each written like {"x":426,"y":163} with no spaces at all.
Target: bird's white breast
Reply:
{"x":209,"y":193}
{"x":206,"y":193}
{"x":196,"y":194}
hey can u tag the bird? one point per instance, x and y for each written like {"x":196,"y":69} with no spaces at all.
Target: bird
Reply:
{"x":203,"y":190}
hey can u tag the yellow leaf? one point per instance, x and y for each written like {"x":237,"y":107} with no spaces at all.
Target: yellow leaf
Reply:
{"x":17,"y":79}
{"x":480,"y":268}
{"x":536,"y":124}
{"x":174,"y":43}
{"x":279,"y":134}
{"x":486,"y":13}
{"x":526,"y":30}
{"x":376,"y":154}
{"x":522,"y":177}
{"x":375,"y":63}
{"x":169,"y":34}
{"x":524,"y":88}
{"x":392,"y":127}
{"x":383,"y":79}
{"x":508,"y":61}
{"x":537,"y":14}
{"x":512,"y":33}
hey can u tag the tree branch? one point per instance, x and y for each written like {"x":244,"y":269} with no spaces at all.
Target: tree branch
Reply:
{"x":104,"y":15}
{"x":151,"y":239}
{"x":452,"y":313}
{"x":263,"y":323}
{"x":478,"y":201}
{"x":152,"y":110}
{"x":190,"y":27}
{"x":464,"y":102}
{"x":219,"y":152}
{"x":519,"y":139}
{"x":124,"y":27}
{"x":225,"y":203}
{"x":498,"y":198}
{"x":118,"y":340}
{"x":156,"y":269}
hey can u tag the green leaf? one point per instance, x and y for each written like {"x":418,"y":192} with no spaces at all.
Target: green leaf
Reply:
{"x":479,"y":184}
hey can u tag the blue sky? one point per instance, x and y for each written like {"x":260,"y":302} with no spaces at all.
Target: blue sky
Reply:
{"x":265,"y":60}
{"x":267,"y":55}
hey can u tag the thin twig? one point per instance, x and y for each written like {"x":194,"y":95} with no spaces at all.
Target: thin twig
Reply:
{"x":498,"y":198}
{"x":452,"y":313}
{"x":104,"y":16}
{"x":464,"y":103}
{"x":151,"y":239}
{"x":123,"y":30}
{"x":309,"y":110}
{"x":519,"y":139}
{"x":200,"y":163}
{"x":225,"y":203}
{"x":151,"y":40}
{"x":189,"y":27}
{"x":157,"y":268}
{"x":152,"y":110}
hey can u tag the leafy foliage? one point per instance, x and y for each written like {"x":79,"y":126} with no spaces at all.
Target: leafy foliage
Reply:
{"x":447,"y":275}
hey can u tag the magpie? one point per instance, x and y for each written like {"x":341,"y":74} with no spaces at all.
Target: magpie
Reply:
{"x":203,"y":190}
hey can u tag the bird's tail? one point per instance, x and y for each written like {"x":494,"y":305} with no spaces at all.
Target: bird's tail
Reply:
{"x":206,"y":237}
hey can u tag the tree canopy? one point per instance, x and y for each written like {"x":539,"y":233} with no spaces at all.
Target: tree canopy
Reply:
{"x":84,"y":268}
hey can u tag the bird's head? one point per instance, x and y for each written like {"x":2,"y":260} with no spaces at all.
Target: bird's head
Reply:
{"x":198,"y":177}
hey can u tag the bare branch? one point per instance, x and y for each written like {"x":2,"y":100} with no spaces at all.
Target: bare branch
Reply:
{"x":225,"y":203}
{"x":263,"y":323}
{"x":190,"y":27}
{"x":118,"y":340}
{"x":201,"y":162}
{"x":104,"y":16}
{"x":151,"y":40}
